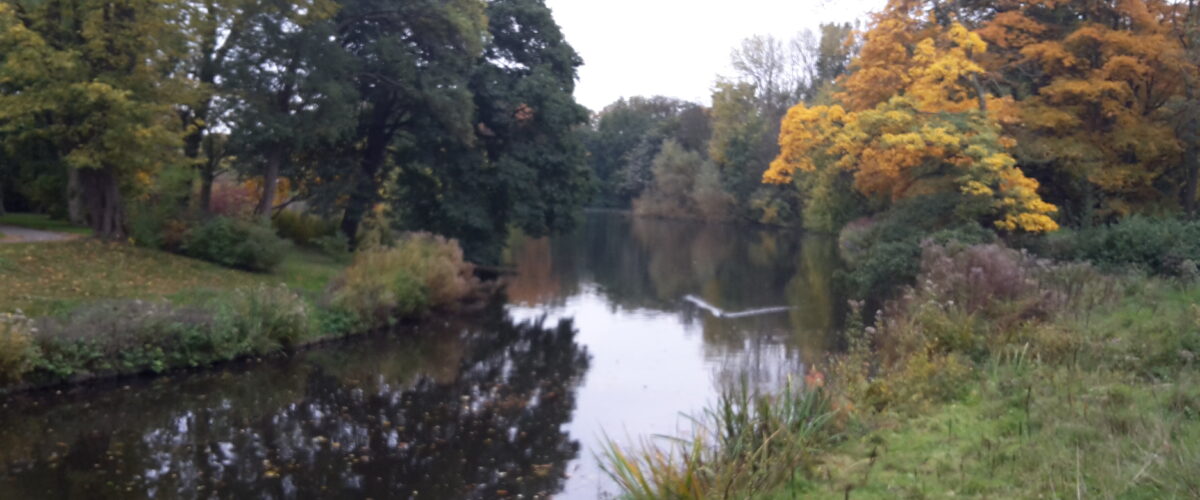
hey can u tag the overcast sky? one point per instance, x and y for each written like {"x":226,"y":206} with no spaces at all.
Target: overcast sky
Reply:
{"x":678,"y":47}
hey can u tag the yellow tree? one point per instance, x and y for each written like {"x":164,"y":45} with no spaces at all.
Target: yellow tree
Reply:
{"x":915,"y":122}
{"x":1091,"y":83}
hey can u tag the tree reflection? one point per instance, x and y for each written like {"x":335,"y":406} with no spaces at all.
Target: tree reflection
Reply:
{"x":466,"y":412}
{"x":644,"y":263}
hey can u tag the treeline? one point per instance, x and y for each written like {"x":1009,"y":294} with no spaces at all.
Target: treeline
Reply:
{"x":668,"y":157}
{"x":450,"y":116}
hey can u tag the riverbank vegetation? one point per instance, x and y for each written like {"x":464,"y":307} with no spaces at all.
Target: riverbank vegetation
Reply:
{"x":1014,"y":190}
{"x":1000,"y":374}
{"x":157,"y":312}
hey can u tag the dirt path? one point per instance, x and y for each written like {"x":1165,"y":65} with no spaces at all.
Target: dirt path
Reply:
{"x":13,"y":234}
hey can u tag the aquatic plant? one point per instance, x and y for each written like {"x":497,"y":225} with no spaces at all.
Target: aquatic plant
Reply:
{"x":747,"y":442}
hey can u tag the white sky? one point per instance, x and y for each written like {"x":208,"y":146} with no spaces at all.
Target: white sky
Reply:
{"x":678,"y":47}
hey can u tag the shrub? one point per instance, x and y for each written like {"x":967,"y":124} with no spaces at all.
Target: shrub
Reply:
{"x":422,"y":271}
{"x":235,"y":243}
{"x":231,"y":199}
{"x":276,"y":315}
{"x":134,"y":336}
{"x":885,"y":254}
{"x":17,"y":350}
{"x":1163,"y":246}
{"x":302,"y":228}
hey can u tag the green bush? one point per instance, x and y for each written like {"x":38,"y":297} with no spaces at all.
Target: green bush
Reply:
{"x":885,"y":253}
{"x":421,"y":272}
{"x":1164,"y":246}
{"x":235,"y":243}
{"x":17,"y":351}
{"x":302,"y":228}
{"x":275,"y":315}
{"x":135,"y":336}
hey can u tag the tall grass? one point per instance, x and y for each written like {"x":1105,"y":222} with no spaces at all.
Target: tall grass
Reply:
{"x":748,"y":442}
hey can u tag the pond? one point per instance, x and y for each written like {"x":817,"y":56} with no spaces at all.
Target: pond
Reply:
{"x":615,"y":330}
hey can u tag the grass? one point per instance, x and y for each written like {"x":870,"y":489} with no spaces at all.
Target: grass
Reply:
{"x":42,"y":223}
{"x":46,"y":278}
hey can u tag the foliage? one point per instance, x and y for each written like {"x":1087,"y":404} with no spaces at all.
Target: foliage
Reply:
{"x":884,"y":253}
{"x":235,"y":243}
{"x":685,"y":185}
{"x":120,"y":337}
{"x":302,"y":228}
{"x":87,"y":86}
{"x":17,"y":351}
{"x":421,"y":272}
{"x":1164,"y":246}
{"x":926,"y":139}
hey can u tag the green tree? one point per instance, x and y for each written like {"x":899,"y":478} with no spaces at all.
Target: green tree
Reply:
{"x":289,"y":102}
{"x":88,"y":84}
{"x":414,"y":108}
{"x":525,"y":166}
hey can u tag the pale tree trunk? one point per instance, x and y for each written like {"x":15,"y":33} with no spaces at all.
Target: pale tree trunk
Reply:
{"x":75,"y":212}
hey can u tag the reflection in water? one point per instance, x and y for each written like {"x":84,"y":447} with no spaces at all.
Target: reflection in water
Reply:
{"x":627,"y":280}
{"x":476,"y":414}
{"x":486,"y":408}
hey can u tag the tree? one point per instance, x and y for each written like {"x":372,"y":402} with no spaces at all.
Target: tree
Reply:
{"x":412,"y":61}
{"x":85,"y":79}
{"x":525,"y":165}
{"x":288,"y":104}
{"x":932,"y":135}
{"x":625,"y":136}
{"x":1091,"y":81}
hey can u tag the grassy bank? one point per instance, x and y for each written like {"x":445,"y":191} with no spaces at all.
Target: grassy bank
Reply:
{"x":44,"y":278}
{"x":998,"y":376}
{"x":85,"y":309}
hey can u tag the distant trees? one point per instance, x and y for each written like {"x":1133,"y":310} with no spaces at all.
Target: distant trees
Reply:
{"x":735,"y":137}
{"x":458,"y":115}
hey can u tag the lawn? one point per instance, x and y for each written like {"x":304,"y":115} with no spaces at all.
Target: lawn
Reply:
{"x":43,"y":223}
{"x":45,"y":278}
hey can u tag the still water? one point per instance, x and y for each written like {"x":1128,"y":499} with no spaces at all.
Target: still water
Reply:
{"x":614,"y":330}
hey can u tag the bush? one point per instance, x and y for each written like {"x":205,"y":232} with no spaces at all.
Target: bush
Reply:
{"x":1164,"y":246}
{"x":135,"y":336}
{"x":884,"y":254}
{"x":235,"y":243}
{"x":274,"y":314}
{"x":17,"y":351}
{"x":302,"y":228}
{"x":421,"y":272}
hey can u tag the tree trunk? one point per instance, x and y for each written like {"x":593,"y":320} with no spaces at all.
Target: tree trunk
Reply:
{"x":270,"y":181}
{"x":1191,"y":155}
{"x":102,"y":199}
{"x":75,"y":213}
{"x":208,"y":175}
{"x":2,"y":212}
{"x":364,"y":191}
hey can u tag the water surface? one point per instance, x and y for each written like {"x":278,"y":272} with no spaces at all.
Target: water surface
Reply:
{"x":615,"y":329}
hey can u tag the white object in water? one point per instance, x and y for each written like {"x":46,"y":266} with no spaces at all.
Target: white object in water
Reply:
{"x":716,"y":311}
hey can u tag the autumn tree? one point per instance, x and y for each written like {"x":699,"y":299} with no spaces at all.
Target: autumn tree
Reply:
{"x":82,"y":83}
{"x":1093,"y":83}
{"x":914,"y":123}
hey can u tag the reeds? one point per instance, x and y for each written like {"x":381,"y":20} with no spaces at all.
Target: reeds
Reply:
{"x":746,"y":443}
